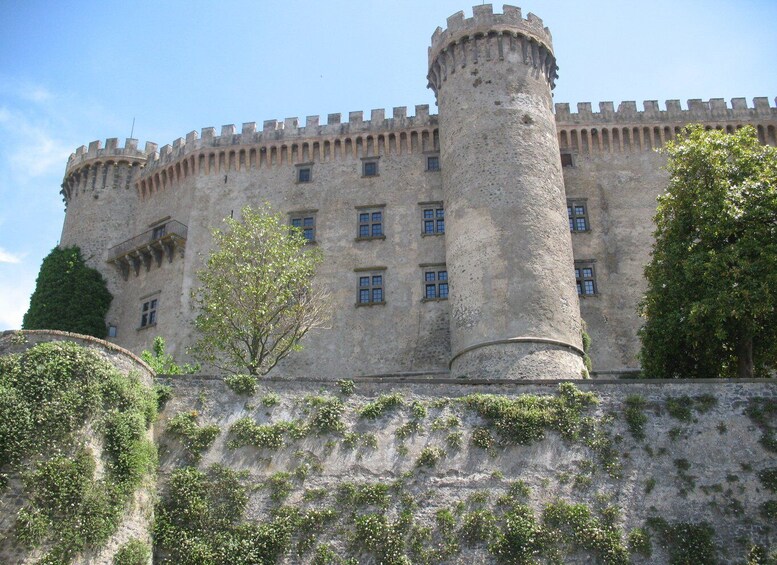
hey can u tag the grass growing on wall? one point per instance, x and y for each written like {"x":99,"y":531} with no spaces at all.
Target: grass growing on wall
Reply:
{"x":48,"y":395}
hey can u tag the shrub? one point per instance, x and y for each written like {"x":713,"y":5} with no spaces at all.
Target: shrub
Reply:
{"x":347,"y":386}
{"x":383,"y":404}
{"x":241,"y":384}
{"x":429,"y":457}
{"x":635,"y":417}
{"x":133,"y":552}
{"x":195,"y":438}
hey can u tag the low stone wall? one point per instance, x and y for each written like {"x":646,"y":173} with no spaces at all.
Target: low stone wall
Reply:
{"x":138,"y":518}
{"x":691,"y":453}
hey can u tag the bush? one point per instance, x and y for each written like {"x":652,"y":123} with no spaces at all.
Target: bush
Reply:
{"x":241,"y":384}
{"x":133,"y":552}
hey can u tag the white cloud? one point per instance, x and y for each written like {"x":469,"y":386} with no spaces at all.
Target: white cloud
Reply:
{"x":6,"y":257}
{"x":14,"y":300}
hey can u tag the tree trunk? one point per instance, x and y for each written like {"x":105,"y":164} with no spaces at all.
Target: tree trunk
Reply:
{"x":745,"y":358}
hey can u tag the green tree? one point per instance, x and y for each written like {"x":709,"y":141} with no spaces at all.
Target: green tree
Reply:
{"x":256,"y":300}
{"x":163,"y":363}
{"x":68,"y":296}
{"x":710,"y":308}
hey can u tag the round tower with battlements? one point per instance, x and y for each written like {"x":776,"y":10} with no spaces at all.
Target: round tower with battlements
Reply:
{"x":100,"y":195}
{"x":514,"y":306}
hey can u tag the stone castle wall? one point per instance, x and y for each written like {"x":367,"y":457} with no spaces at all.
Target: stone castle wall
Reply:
{"x":116,"y":195}
{"x":703,"y":469}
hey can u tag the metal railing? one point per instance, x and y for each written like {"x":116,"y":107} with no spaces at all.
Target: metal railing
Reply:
{"x":169,"y":230}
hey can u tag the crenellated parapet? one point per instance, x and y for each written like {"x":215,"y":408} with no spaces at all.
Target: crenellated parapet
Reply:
{"x":629,"y":129}
{"x":285,"y":142}
{"x":98,"y":167}
{"x":488,"y":36}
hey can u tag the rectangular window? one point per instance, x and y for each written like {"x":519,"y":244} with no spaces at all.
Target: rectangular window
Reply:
{"x":435,"y":282}
{"x":566,"y":160}
{"x":585,"y":278}
{"x":370,"y":223}
{"x":304,"y":174}
{"x":306,"y":221}
{"x":578,"y":215}
{"x":370,"y":168}
{"x":433,"y":163}
{"x":159,"y":232}
{"x":148,"y":313}
{"x":433,"y":218}
{"x":370,"y":289}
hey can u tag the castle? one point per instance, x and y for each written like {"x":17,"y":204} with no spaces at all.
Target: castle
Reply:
{"x":471,"y":242}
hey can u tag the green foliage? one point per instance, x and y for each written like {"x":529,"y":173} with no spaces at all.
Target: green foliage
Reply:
{"x":163,"y":394}
{"x":639,"y":542}
{"x":199,"y":522}
{"x":429,"y":457}
{"x":768,"y":510}
{"x":347,"y":386}
{"x":382,"y":539}
{"x":48,"y":394}
{"x":327,"y":414}
{"x":163,"y":363}
{"x":635,"y":416}
{"x":679,"y":408}
{"x":195,"y":438}
{"x":577,"y":523}
{"x":686,"y":542}
{"x":763,"y":412}
{"x":525,"y":418}
{"x":768,"y":478}
{"x":478,"y":526}
{"x":68,"y":296}
{"x":482,"y":438}
{"x":133,"y":552}
{"x":711,"y":305}
{"x":384,"y":403}
{"x":367,"y":494}
{"x":256,"y":300}
{"x":241,"y":384}
{"x":520,"y":539}
{"x":271,"y":399}
{"x":268,"y":436}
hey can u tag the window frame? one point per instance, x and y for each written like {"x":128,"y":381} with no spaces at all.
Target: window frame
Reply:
{"x":302,"y":215}
{"x":567,"y":160}
{"x":581,"y":279}
{"x":436,"y":157}
{"x":573,"y":216}
{"x":370,"y":274}
{"x":370,"y":222}
{"x":437,"y":218}
{"x":437,"y":281}
{"x":369,"y":162}
{"x":298,"y":172}
{"x":149,"y":311}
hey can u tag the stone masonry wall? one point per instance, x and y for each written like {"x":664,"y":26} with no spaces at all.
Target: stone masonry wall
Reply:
{"x":697,"y":460}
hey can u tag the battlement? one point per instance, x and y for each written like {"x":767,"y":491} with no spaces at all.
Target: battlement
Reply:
{"x":711,"y":111}
{"x":282,"y":132}
{"x":483,"y":21}
{"x":111,"y":151}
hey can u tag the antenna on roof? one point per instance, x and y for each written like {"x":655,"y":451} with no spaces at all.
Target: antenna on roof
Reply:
{"x":133,"y":128}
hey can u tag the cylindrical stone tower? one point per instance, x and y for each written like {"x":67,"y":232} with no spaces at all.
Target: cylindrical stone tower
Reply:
{"x":100,"y":195}
{"x":514,"y":306}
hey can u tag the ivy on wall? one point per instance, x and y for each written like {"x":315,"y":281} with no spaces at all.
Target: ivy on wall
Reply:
{"x":48,"y":395}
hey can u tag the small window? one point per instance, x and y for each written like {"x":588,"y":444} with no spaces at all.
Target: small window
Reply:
{"x":112,"y":331}
{"x":585,"y":278}
{"x":371,"y":288}
{"x":566,"y":160}
{"x":159,"y":232}
{"x":305,"y":221}
{"x":433,"y":163}
{"x":435,"y":283}
{"x":370,"y":168}
{"x":370,"y":223}
{"x":304,"y":172}
{"x":148,"y":313}
{"x":577,"y":211}
{"x":433,"y":218}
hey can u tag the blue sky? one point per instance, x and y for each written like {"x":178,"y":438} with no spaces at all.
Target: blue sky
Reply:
{"x":72,"y":72}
